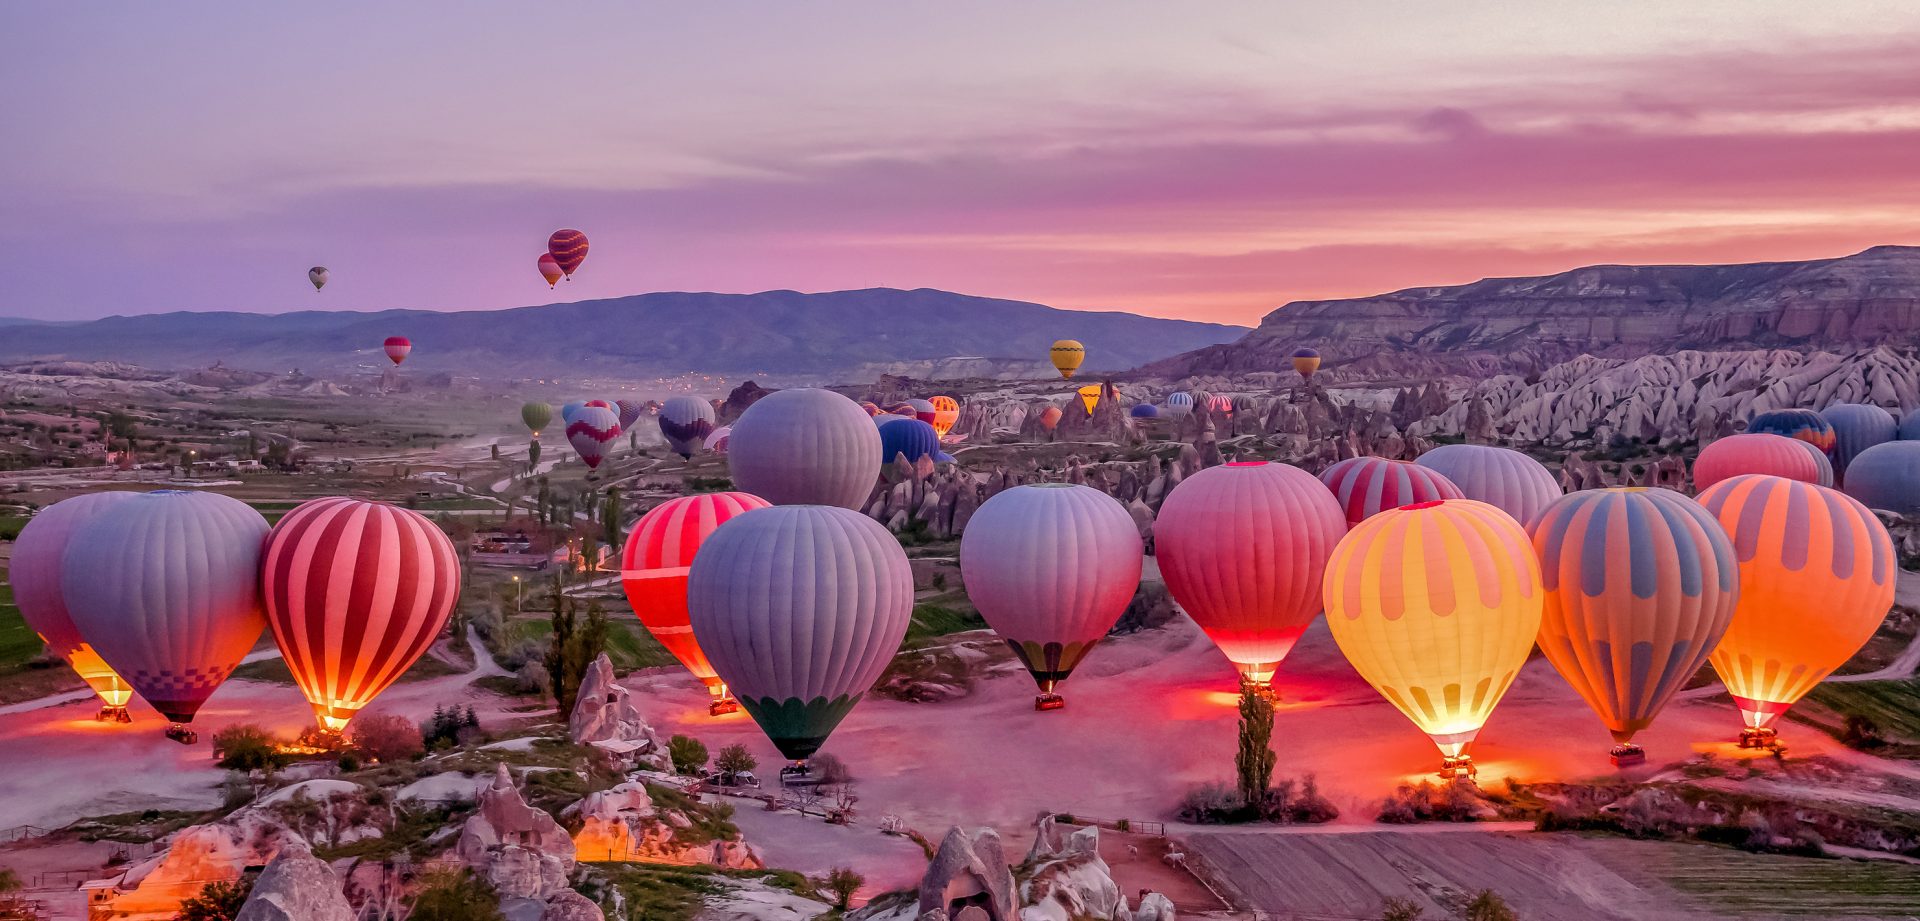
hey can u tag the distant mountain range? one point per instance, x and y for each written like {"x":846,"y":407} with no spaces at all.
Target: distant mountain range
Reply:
{"x":1619,"y":311}
{"x":784,"y":333}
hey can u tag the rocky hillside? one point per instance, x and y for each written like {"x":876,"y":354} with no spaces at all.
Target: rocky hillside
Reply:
{"x":1614,"y":311}
{"x":781,"y":333}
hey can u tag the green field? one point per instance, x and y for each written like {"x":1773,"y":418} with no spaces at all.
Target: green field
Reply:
{"x":1732,"y":882}
{"x":629,"y":645}
{"x":1893,"y":706}
{"x":18,"y":644}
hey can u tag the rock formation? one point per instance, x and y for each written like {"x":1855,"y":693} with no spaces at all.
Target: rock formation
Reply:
{"x":568,"y":905}
{"x":970,"y":870}
{"x":622,"y":824}
{"x":520,"y":849}
{"x":296,"y":886}
{"x":604,"y":716}
{"x":1068,"y":879}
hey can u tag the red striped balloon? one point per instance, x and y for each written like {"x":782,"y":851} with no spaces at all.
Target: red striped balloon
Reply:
{"x":1367,"y":486}
{"x":1242,"y":548}
{"x":654,"y":566}
{"x":1760,"y":452}
{"x":569,"y":248}
{"x":397,"y":348}
{"x":355,"y":591}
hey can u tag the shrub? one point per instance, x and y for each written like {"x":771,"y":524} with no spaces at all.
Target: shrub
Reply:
{"x":735,"y":760}
{"x":1488,"y":906}
{"x":1214,"y":804}
{"x":387,"y":737}
{"x":246,"y":747}
{"x":217,"y":901}
{"x":825,"y":768}
{"x":455,"y":895}
{"x":1396,"y":909}
{"x":689,"y":754}
{"x":842,"y":883}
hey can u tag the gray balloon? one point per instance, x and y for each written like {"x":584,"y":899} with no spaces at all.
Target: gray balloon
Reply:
{"x":1886,"y":477}
{"x":805,"y":447}
{"x":1856,"y":427}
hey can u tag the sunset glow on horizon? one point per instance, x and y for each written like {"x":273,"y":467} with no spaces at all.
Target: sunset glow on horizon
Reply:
{"x":1208,"y":163}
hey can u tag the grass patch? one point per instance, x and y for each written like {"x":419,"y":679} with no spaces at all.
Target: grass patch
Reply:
{"x":275,"y":671}
{"x":942,"y":616}
{"x":18,"y":643}
{"x":412,"y":826}
{"x":662,"y":892}
{"x":1891,"y":707}
{"x":1731,"y":881}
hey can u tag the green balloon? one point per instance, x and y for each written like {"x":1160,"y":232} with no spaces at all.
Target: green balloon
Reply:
{"x":536,"y":416}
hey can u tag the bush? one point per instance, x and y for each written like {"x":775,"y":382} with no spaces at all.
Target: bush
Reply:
{"x":1401,"y":910}
{"x":735,"y":760}
{"x":387,"y":737}
{"x":246,"y":747}
{"x":218,"y":901}
{"x":689,"y":755}
{"x":455,"y":895}
{"x":1214,"y":804}
{"x":1427,"y":803}
{"x":1488,"y":907}
{"x":842,"y":883}
{"x":825,"y":768}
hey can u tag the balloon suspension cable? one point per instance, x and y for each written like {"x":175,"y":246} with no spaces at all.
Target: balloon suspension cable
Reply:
{"x":1764,"y":738}
{"x":112,"y":714}
{"x":1627,"y":754}
{"x":179,"y":732}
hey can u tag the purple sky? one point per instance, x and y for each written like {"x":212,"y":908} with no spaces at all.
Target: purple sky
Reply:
{"x":1198,"y":160}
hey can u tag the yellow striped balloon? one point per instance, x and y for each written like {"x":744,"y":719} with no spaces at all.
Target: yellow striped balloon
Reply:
{"x":1640,"y":586}
{"x":1437,"y":604}
{"x":1816,"y":579}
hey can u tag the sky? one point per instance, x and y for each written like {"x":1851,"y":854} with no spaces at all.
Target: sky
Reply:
{"x":1206,"y":161}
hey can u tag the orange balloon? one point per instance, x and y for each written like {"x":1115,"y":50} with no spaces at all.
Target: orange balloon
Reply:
{"x":946,"y":411}
{"x":1437,"y":604}
{"x":1050,"y":417}
{"x":1816,"y":579}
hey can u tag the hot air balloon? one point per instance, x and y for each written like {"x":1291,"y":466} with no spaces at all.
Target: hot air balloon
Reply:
{"x":1502,"y":477}
{"x":1242,"y":547}
{"x":397,"y":348}
{"x":1051,"y":568}
{"x":873,"y":409}
{"x":567,"y":410}
{"x":166,"y":586}
{"x":806,"y":447}
{"x":1090,"y":397}
{"x":1367,"y":486}
{"x":1803,"y":424}
{"x":1144,"y":411}
{"x":1306,"y":361}
{"x":355,"y":591}
{"x":800,"y":608}
{"x":923,"y":410}
{"x":1910,"y":426}
{"x":1050,"y":418}
{"x":1640,"y":584}
{"x":536,"y":416}
{"x":1067,"y":356}
{"x":1179,"y":404}
{"x":946,"y":411}
{"x":550,"y":269}
{"x":568,"y":249}
{"x":603,"y":404}
{"x":912,"y":439}
{"x":653,"y":570}
{"x":1775,"y":455}
{"x":885,"y":418}
{"x":1856,"y":427}
{"x":686,"y":421}
{"x":35,"y":574}
{"x":630,"y":412}
{"x":592,"y":430}
{"x":1885,"y":477}
{"x":1437,"y":605}
{"x":1220,"y":406}
{"x":318,"y":275}
{"x":1817,"y":574}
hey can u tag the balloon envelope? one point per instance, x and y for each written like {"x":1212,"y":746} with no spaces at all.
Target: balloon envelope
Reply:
{"x":717,"y":442}
{"x":1886,"y":477}
{"x":536,"y":416}
{"x":1817,"y":573}
{"x":1144,"y":411}
{"x":1050,"y":418}
{"x":1306,"y":361}
{"x":800,"y":608}
{"x":806,"y":447}
{"x":1051,"y":567}
{"x":1090,"y":397}
{"x":1067,"y":354}
{"x":630,"y":412}
{"x":567,"y":410}
{"x":35,"y":573}
{"x":911,"y":439}
{"x":568,"y":249}
{"x":397,"y":348}
{"x":591,"y":432}
{"x":1437,"y":605}
{"x":355,"y":592}
{"x":654,"y":564}
{"x":1242,"y":547}
{"x":1803,"y":424}
{"x":1774,"y":455}
{"x":318,"y":275}
{"x":1856,"y":427}
{"x":946,"y":411}
{"x":1179,"y":404}
{"x":550,"y":269}
{"x":1501,"y":477}
{"x":167,"y":588}
{"x":1366,"y":486}
{"x":686,"y":422}
{"x":1640,"y":585}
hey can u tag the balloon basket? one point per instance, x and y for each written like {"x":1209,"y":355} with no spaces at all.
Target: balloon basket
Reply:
{"x":795,"y":773}
{"x":112,"y":714}
{"x":1048,"y":702}
{"x":723,"y":706}
{"x":1457,"y":768}
{"x":1627,"y":754}
{"x":1761,"y":739}
{"x":182,"y":734}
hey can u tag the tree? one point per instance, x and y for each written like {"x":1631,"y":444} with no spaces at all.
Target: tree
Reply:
{"x":689,"y":754}
{"x":827,"y":768}
{"x":610,"y":517}
{"x":842,"y":883}
{"x":1253,"y":764}
{"x":217,"y":901}
{"x":1397,"y":909}
{"x":573,"y":646}
{"x":387,"y":737}
{"x":246,"y":747}
{"x":455,"y":895}
{"x":1488,"y":906}
{"x":734,"y":760}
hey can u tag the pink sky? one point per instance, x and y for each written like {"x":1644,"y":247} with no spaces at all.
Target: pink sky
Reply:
{"x":1205,"y":162}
